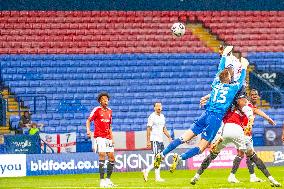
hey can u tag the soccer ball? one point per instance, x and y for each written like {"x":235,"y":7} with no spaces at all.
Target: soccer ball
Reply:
{"x":178,"y":29}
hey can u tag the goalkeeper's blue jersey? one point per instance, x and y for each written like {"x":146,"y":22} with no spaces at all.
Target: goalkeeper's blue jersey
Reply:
{"x":222,"y":95}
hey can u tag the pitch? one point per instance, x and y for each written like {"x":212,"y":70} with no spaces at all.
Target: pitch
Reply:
{"x":212,"y":178}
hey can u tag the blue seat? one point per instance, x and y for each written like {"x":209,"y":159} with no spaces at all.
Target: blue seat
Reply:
{"x":14,"y":122}
{"x":134,"y":82}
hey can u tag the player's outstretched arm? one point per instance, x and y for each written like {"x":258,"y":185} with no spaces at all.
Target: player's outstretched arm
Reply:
{"x":225,"y":53}
{"x":242,"y":78}
{"x":264,"y":115}
{"x":221,"y":64}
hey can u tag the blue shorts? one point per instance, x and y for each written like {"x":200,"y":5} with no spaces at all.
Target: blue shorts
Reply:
{"x":208,"y":124}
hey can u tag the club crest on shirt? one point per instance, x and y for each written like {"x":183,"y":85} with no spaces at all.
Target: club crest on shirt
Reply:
{"x":105,"y":120}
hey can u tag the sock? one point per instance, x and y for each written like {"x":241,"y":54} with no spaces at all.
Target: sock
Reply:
{"x":259,"y":164}
{"x":247,"y":111}
{"x":206,"y":162}
{"x":252,"y":175}
{"x":101,"y":169}
{"x":190,"y":153}
{"x":197,"y":176}
{"x":150,"y":167}
{"x":157,"y":173}
{"x":236,"y":164}
{"x":175,"y":143}
{"x":270,"y":178}
{"x":250,"y":166}
{"x":110,"y":166}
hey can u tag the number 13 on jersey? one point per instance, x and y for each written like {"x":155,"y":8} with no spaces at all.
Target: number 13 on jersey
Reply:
{"x":220,"y":94}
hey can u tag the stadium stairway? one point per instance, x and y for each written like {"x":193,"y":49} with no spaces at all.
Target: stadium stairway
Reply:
{"x":248,"y":31}
{"x":13,"y":109}
{"x":205,"y":36}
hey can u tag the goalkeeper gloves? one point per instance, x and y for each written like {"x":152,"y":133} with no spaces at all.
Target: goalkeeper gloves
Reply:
{"x":244,"y":63}
{"x":227,"y":50}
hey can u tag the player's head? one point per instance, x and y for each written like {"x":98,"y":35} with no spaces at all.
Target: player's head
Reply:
{"x":34,"y":125}
{"x":230,"y":68}
{"x":253,"y":96}
{"x":26,"y":113}
{"x":225,"y":76}
{"x":103,"y":99}
{"x":158,"y":107}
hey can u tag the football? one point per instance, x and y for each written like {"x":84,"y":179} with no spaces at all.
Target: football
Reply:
{"x":178,"y":29}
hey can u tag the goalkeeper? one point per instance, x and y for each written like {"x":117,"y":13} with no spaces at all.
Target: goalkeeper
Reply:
{"x":237,"y":130}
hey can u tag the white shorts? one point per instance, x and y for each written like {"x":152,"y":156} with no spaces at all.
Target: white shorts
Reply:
{"x":249,"y":143}
{"x":100,"y":144}
{"x":233,"y":133}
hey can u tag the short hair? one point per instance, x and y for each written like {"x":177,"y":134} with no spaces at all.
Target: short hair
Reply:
{"x":157,"y":103}
{"x":223,"y":75}
{"x":101,"y":95}
{"x":253,"y":90}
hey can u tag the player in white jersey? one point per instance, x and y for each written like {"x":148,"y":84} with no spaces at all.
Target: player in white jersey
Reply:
{"x":156,"y":127}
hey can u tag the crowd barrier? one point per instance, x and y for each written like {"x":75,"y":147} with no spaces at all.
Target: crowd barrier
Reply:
{"x":15,"y":165}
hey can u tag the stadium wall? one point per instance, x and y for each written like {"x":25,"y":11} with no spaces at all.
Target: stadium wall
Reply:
{"x":142,"y":5}
{"x":19,"y":165}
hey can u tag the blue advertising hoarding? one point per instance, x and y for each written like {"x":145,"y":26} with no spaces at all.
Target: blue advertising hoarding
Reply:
{"x":22,"y":144}
{"x":67,"y":163}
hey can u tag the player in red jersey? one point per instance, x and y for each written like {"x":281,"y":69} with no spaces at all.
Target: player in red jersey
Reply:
{"x":254,"y":97}
{"x":237,"y":131}
{"x":102,"y":140}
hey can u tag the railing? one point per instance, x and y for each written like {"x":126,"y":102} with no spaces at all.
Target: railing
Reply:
{"x":38,"y":103}
{"x":2,"y":111}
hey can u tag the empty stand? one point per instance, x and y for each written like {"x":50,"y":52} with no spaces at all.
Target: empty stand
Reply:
{"x":72,"y":82}
{"x":248,"y":31}
{"x":92,"y":32}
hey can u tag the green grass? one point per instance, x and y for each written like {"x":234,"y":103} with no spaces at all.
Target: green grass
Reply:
{"x":212,"y":178}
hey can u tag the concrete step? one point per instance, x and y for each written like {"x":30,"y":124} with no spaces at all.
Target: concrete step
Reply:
{"x":205,"y":36}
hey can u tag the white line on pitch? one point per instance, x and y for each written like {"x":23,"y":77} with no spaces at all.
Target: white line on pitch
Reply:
{"x":89,"y":187}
